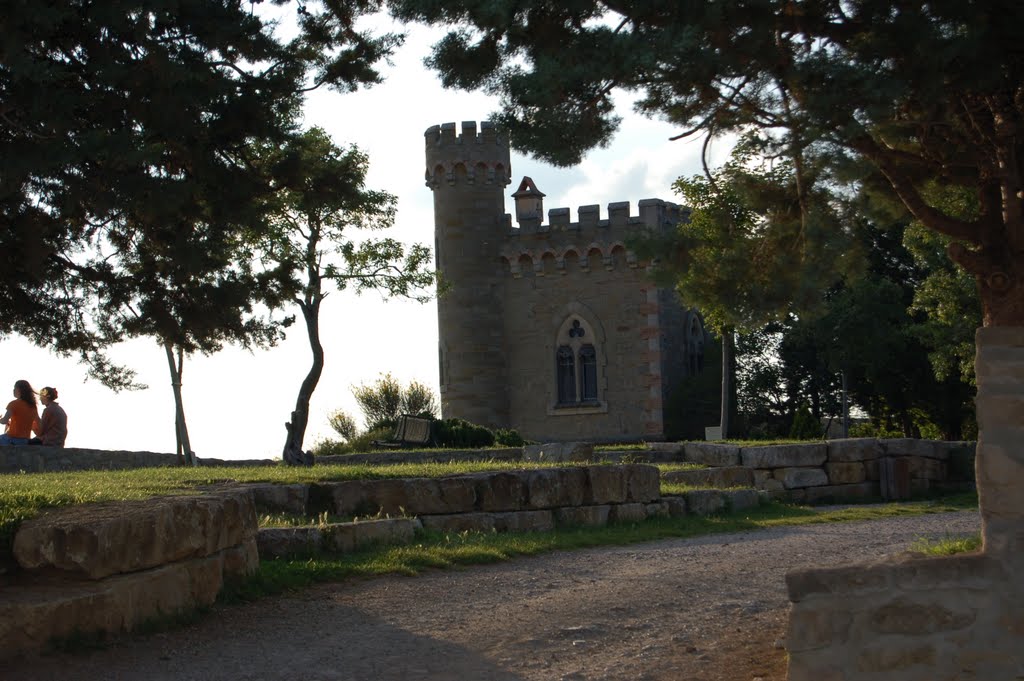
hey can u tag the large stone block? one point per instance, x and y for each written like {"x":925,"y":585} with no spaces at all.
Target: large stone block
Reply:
{"x":796,"y":478}
{"x":524,"y":521}
{"x":845,"y":473}
{"x":854,"y":449}
{"x":913,"y":447}
{"x":924,"y":468}
{"x":836,"y":493}
{"x":711,"y":454}
{"x":504,"y":491}
{"x":33,"y":616}
{"x":643,"y":483}
{"x":560,"y":452}
{"x":704,"y":501}
{"x":554,"y":487}
{"x":458,"y":494}
{"x":97,"y":540}
{"x":784,"y":456}
{"x":741,"y":499}
{"x":919,"y":616}
{"x":585,"y":516}
{"x":270,"y":498}
{"x":459,"y":522}
{"x":667,"y":451}
{"x":627,"y":513}
{"x":605,"y":485}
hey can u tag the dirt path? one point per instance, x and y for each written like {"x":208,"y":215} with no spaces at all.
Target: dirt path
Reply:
{"x":711,"y":608}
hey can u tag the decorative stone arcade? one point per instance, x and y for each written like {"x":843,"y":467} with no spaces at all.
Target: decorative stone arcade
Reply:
{"x":934,"y":619}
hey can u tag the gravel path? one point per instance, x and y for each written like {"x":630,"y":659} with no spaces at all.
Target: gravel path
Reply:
{"x":711,"y":608}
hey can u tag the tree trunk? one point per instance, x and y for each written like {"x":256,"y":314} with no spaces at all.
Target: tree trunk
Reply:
{"x":727,"y":354}
{"x":184,"y":447}
{"x":293,"y":453}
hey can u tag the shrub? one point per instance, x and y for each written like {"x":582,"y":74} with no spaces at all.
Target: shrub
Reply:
{"x":343,"y":424}
{"x":460,"y":434}
{"x":330,"y":448}
{"x":364,"y":441}
{"x":805,"y":426}
{"x":384,"y":401}
{"x":506,"y":437}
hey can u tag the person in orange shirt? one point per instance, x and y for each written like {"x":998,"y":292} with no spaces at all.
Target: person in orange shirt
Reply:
{"x":21,"y":417}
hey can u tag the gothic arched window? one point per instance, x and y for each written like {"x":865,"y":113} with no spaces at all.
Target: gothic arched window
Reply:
{"x":566,"y":368}
{"x":578,"y":364}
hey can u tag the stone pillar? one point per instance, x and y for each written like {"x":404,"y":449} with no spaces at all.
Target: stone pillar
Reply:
{"x":999,"y":466}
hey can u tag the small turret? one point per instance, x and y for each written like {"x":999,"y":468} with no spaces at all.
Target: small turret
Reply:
{"x":529,"y":204}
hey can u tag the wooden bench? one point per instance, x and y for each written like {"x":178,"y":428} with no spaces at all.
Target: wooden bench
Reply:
{"x":411,"y":431}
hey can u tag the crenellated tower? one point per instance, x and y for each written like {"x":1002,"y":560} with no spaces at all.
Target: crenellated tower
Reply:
{"x":468,"y":170}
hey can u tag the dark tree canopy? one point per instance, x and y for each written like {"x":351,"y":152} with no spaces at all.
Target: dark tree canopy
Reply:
{"x":127,"y":183}
{"x":924,"y":92}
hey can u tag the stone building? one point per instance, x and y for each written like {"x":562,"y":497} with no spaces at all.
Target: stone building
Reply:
{"x":553,"y":329}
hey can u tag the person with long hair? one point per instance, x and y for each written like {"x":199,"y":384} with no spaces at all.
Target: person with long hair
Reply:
{"x":53,"y":424}
{"x":21,"y":417}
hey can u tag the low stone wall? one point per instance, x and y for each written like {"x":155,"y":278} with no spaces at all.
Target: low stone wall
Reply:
{"x":40,"y":459}
{"x":835,"y":470}
{"x":504,"y":501}
{"x":97,"y":569}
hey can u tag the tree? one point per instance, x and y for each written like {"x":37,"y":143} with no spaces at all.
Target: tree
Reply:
{"x":320,"y":201}
{"x":385,"y":400}
{"x":845,"y":80}
{"x":126,"y":138}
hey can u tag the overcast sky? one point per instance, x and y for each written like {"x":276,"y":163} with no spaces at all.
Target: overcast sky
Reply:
{"x":236,"y":402}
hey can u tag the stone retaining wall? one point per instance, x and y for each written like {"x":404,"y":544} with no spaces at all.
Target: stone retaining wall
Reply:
{"x":98,"y":569}
{"x":835,"y":470}
{"x":40,"y":459}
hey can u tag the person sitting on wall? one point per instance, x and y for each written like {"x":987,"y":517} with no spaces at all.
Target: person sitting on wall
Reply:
{"x":53,"y":424}
{"x":21,"y":417}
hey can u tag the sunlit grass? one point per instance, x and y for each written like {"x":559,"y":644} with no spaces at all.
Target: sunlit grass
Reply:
{"x":947,"y":546}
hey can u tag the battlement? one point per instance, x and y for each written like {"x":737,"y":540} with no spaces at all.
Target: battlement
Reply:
{"x":474,"y":156}
{"x":654,"y":214}
{"x":591,"y":242}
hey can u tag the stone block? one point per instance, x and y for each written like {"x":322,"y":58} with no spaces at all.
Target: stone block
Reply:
{"x":643,"y":483}
{"x":458,"y":493}
{"x":658,"y":509}
{"x":676,"y":506}
{"x":626,"y":513}
{"x":349,"y":497}
{"x":585,"y":516}
{"x":711,"y":454}
{"x":384,"y":531}
{"x":784,"y":456}
{"x":560,"y":452}
{"x":818,"y":626}
{"x":242,"y":560}
{"x":761,"y":476}
{"x":33,"y":616}
{"x":924,"y":468}
{"x":853,"y":449}
{"x":605,"y":485}
{"x":795,"y":478}
{"x":741,"y":499}
{"x":554,"y":487}
{"x":918,"y":616}
{"x":847,"y":581}
{"x":273,"y":542}
{"x":845,"y":473}
{"x":524,"y":521}
{"x":98,"y":540}
{"x":389,"y":496}
{"x":837,"y":493}
{"x":895,"y":656}
{"x":504,"y":491}
{"x":269,"y":498}
{"x":459,"y":522}
{"x":912,"y":447}
{"x":704,"y":501}
{"x":673,"y":451}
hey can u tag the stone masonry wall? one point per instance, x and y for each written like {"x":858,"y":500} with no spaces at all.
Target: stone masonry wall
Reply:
{"x":933,"y":619}
{"x":97,"y":569}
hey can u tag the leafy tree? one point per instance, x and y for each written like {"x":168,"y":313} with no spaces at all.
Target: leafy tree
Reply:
{"x":384,"y":401}
{"x":320,"y":205}
{"x":128,"y":187}
{"x":838,"y":80}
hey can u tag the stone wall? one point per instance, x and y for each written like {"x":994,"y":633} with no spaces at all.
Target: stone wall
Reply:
{"x":835,"y":470}
{"x":933,"y":619}
{"x":98,"y":569}
{"x":39,"y":459}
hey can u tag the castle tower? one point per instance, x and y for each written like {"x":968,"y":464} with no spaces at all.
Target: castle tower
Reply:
{"x":468,"y":173}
